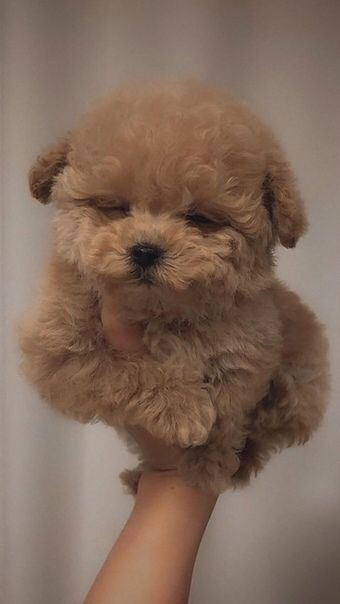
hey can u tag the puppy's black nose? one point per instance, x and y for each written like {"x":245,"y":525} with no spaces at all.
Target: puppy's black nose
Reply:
{"x":145,"y":255}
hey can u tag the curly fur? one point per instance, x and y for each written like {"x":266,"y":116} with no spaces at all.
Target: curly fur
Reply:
{"x":235,"y":366}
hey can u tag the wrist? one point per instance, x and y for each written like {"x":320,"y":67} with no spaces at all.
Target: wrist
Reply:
{"x":169,"y":489}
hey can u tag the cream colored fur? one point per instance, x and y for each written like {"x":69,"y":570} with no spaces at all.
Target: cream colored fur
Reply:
{"x":235,"y":366}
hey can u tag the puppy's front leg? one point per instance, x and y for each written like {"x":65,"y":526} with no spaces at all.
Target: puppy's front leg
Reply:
{"x":173,"y":406}
{"x":210,"y":467}
{"x":213,"y":465}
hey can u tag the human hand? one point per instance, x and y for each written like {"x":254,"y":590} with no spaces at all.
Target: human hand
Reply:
{"x":129,"y":337}
{"x":123,"y":336}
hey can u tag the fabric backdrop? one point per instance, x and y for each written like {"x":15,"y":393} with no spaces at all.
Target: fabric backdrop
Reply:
{"x":276,"y":542}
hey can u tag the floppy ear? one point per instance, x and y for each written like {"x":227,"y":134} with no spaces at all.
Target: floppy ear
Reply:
{"x":46,"y":167}
{"x":283,"y":203}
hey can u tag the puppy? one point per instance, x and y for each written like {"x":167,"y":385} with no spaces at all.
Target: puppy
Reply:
{"x":171,"y":200}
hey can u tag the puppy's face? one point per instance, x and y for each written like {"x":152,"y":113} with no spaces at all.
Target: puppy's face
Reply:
{"x":168,"y":198}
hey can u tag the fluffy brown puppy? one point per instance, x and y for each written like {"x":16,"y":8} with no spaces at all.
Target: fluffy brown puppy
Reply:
{"x":172,"y":200}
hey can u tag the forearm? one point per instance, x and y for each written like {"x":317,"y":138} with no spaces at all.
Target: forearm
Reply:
{"x":153,"y":559}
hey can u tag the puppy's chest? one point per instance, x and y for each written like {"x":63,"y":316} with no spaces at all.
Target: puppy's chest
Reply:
{"x":250,"y":340}
{"x":185,"y":344}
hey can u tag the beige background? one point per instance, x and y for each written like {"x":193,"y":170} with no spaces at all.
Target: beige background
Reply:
{"x":276,"y":542}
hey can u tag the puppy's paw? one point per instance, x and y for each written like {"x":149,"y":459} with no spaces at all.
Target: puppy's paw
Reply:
{"x":208,"y":468}
{"x":192,"y":430}
{"x":130,"y":479}
{"x":187,"y":421}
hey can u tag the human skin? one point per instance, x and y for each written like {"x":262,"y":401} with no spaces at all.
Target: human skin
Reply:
{"x":153,"y":559}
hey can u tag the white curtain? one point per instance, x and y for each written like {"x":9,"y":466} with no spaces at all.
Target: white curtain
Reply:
{"x":276,"y":542}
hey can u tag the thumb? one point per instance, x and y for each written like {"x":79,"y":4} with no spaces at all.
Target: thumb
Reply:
{"x":123,"y":336}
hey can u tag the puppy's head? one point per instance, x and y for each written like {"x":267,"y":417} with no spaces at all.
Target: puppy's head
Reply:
{"x":176,"y":196}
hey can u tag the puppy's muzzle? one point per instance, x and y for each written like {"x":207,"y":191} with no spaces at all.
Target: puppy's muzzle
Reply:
{"x":145,"y":255}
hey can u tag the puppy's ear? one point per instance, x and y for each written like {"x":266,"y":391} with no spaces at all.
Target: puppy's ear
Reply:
{"x":45,"y":169}
{"x":283,"y":203}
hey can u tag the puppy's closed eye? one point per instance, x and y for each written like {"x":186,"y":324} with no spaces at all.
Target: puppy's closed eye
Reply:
{"x":204,"y":222}
{"x":198,"y":219}
{"x":119,"y":211}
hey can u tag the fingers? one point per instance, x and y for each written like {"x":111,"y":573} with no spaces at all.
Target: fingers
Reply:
{"x":123,"y":336}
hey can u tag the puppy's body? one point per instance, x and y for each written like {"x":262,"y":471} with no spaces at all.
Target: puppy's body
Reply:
{"x":234,"y":365}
